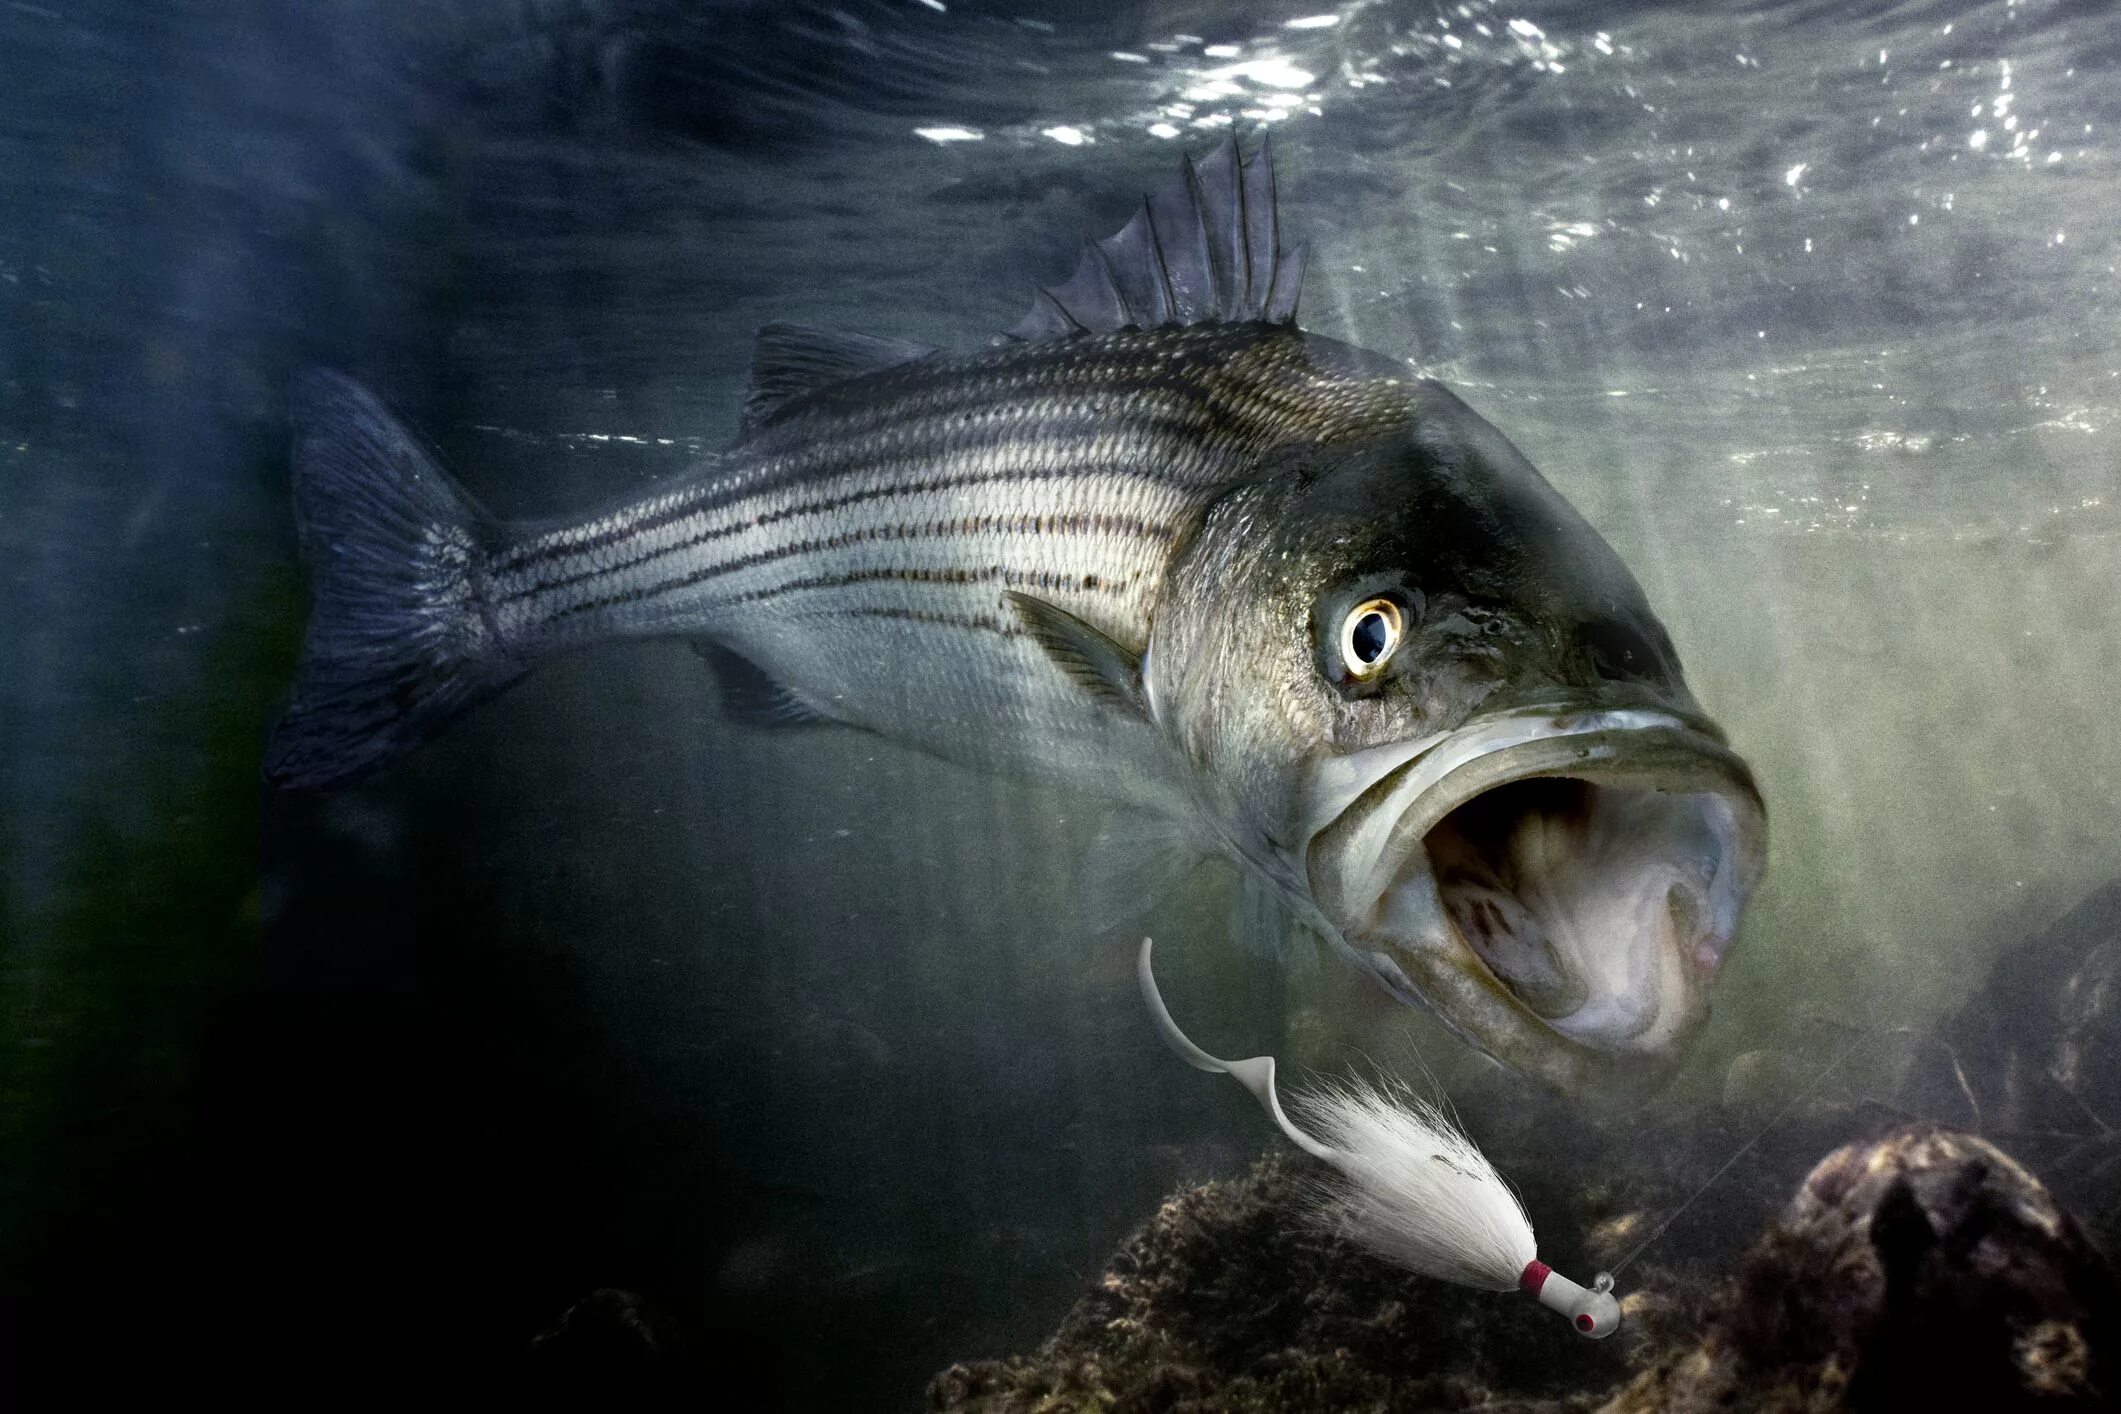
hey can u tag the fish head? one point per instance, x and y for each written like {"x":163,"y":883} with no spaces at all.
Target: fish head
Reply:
{"x":1417,"y":690}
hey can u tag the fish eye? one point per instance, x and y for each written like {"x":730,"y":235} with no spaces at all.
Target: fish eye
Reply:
{"x":1368,"y":636}
{"x":1620,"y":652}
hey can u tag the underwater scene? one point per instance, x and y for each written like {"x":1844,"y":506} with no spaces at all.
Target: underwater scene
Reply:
{"x":980,"y":705}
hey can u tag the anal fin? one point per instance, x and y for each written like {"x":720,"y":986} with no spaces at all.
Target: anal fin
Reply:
{"x":753,"y":697}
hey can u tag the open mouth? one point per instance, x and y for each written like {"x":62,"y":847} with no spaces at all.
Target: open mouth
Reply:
{"x":1550,"y":883}
{"x":1544,"y":878}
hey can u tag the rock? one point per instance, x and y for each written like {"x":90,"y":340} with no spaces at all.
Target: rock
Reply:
{"x":2036,"y":1050}
{"x":1229,"y":1300}
{"x":1926,"y":1269}
{"x":2033,"y":1059}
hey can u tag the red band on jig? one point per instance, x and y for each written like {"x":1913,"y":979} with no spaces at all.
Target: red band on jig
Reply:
{"x":1534,"y":1276}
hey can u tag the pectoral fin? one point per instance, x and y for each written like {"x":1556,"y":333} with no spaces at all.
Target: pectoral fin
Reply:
{"x":1100,"y":665}
{"x":1135,"y":863}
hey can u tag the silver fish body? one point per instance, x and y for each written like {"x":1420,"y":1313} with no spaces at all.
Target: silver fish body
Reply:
{"x":854,"y":548}
{"x":1160,"y":546}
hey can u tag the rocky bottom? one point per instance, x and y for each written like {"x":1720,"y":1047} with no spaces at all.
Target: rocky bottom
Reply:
{"x":1923,"y":1268}
{"x":1916,"y":1268}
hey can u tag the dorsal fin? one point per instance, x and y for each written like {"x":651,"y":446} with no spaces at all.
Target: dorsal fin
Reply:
{"x":790,"y":360}
{"x":1203,"y":248}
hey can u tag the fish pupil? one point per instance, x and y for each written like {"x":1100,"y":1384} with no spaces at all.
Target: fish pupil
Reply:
{"x":1370,"y":636}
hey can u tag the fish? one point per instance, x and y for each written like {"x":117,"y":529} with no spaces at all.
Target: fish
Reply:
{"x":1274,"y":598}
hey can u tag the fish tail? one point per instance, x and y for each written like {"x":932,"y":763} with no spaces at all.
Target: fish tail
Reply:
{"x":401,"y":635}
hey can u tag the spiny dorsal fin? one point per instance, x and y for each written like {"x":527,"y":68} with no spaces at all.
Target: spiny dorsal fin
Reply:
{"x":790,"y":360}
{"x":1203,"y":248}
{"x":1100,"y":666}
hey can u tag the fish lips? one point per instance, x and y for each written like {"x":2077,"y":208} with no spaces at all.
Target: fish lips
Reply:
{"x":1559,"y":887}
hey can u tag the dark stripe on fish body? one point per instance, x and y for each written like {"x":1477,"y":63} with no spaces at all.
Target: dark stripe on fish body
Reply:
{"x":554,"y":554}
{"x":1058,"y":523}
{"x":516,"y":593}
{"x":1171,"y":417}
{"x":1131,"y":471}
{"x":1049,"y":581}
{"x":961,"y":401}
{"x":832,"y":451}
{"x":976,"y":623}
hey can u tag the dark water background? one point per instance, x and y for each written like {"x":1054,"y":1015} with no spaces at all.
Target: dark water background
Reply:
{"x":1809,"y":306}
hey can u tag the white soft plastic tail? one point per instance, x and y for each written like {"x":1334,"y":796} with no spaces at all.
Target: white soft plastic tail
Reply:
{"x":1255,"y":1074}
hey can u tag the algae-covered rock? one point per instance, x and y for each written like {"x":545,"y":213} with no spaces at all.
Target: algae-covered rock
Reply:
{"x":2036,"y":1049}
{"x":1229,"y":1300}
{"x":1924,"y":1269}
{"x":2033,"y":1059}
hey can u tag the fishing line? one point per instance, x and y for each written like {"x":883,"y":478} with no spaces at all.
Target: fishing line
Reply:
{"x":1780,"y":1115}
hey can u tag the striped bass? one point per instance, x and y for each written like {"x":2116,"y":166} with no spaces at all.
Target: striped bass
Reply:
{"x":1277,"y":598}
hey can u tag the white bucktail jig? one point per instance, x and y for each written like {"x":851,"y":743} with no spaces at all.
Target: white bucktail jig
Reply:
{"x":1418,"y":1193}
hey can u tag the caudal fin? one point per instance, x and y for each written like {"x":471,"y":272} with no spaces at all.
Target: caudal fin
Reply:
{"x":400,"y":639}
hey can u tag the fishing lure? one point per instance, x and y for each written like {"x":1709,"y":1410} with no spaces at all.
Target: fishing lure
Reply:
{"x":1419,"y":1193}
